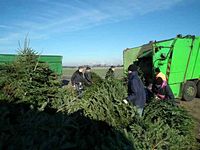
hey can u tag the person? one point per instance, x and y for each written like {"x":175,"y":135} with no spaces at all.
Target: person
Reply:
{"x":148,"y":90}
{"x":162,"y":90}
{"x":78,"y":81}
{"x":111,"y":73}
{"x":136,"y":89}
{"x":88,"y":76}
{"x":160,"y":74}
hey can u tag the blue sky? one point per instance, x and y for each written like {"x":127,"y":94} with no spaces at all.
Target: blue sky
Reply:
{"x":93,"y":31}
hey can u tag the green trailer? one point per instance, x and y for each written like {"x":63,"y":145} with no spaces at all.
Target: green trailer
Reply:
{"x":54,"y":61}
{"x":178,"y":58}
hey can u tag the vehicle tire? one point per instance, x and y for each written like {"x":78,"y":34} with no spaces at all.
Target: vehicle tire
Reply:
{"x":198,"y":89}
{"x":189,"y":91}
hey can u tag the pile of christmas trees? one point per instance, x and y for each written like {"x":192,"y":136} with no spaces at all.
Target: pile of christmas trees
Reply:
{"x":36,"y":113}
{"x":163,"y":126}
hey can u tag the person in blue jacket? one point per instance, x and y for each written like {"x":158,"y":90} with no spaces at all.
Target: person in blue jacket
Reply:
{"x":136,"y":89}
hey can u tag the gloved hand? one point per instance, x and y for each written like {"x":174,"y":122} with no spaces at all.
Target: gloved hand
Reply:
{"x":157,"y":98}
{"x":125,"y":101}
{"x":74,"y":87}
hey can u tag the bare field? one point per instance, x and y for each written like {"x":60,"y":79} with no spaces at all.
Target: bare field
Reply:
{"x":194,"y":109}
{"x":101,"y":71}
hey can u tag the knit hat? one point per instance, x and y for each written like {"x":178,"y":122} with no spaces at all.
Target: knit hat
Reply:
{"x":157,"y":70}
{"x":88,"y":68}
{"x":132,"y":68}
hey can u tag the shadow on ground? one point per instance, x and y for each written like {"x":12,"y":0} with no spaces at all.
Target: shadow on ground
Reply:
{"x":24,"y":129}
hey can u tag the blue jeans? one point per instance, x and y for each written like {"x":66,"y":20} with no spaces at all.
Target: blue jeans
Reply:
{"x":140,"y":111}
{"x":79,"y":90}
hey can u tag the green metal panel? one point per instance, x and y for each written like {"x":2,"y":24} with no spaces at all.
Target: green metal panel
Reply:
{"x":176,"y":89}
{"x":196,"y":69}
{"x":130,"y":55}
{"x":192,"y":60}
{"x":55,"y":62}
{"x":51,"y":58}
{"x":164,"y":47}
{"x":180,"y":58}
{"x":56,"y":67}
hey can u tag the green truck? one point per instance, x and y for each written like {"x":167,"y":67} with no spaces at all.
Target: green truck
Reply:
{"x":54,"y":61}
{"x":178,"y":58}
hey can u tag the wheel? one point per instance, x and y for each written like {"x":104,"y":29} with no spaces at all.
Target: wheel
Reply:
{"x":189,"y":91}
{"x":198,"y":89}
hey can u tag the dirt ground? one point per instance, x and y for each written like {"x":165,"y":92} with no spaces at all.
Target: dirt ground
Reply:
{"x":194,"y":108}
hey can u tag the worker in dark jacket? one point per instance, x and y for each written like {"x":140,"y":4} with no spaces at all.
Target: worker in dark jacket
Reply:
{"x":136,"y":90}
{"x":162,"y":90}
{"x":111,"y":73}
{"x":78,"y":80}
{"x":88,"y":76}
